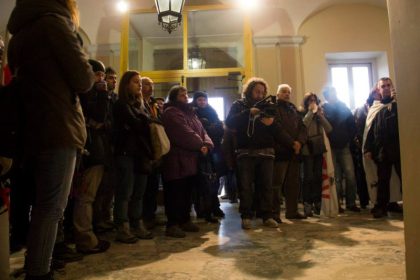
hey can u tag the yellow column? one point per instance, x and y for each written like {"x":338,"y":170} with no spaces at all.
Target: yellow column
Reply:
{"x":249,"y":50}
{"x":125,"y":26}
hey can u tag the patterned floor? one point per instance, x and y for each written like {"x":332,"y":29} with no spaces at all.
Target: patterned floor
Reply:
{"x":352,"y":246}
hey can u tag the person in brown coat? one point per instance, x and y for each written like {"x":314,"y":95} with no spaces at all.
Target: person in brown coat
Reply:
{"x":52,"y":69}
{"x":286,"y":166}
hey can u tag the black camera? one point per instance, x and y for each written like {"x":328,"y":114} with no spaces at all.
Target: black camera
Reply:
{"x":267,"y":107}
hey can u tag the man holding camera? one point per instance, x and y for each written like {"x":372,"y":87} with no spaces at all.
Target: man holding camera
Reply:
{"x":286,"y":166}
{"x":252,"y":118}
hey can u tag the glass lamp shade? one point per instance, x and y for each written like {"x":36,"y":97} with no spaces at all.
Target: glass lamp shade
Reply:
{"x":169,"y":13}
{"x":196,"y":60}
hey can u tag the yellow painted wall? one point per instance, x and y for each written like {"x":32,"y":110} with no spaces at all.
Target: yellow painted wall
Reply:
{"x":341,"y":28}
{"x":267,"y":66}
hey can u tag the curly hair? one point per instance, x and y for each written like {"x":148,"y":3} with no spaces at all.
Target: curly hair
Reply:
{"x":251,"y":84}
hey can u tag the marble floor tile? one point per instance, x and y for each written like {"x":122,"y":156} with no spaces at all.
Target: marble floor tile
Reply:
{"x":351,"y":246}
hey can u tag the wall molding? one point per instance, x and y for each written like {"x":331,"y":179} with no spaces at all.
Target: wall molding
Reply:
{"x":272,"y":41}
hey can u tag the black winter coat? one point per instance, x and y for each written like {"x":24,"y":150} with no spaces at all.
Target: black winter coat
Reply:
{"x":383,"y":137}
{"x":211,"y":123}
{"x":291,"y":121}
{"x":254,"y":134}
{"x":132,"y":134}
{"x":342,"y":122}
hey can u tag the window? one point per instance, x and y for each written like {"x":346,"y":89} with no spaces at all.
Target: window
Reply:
{"x":218,"y":104}
{"x":353,"y":82}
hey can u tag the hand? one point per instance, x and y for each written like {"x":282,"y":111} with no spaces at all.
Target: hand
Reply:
{"x":267,"y":121}
{"x":368,"y":155}
{"x":254,"y":111}
{"x":311,"y":106}
{"x":204,"y":150}
{"x":314,"y":108}
{"x":296,"y":147}
{"x":99,"y":125}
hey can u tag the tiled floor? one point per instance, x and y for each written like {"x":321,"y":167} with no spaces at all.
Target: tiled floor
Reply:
{"x":352,"y":246}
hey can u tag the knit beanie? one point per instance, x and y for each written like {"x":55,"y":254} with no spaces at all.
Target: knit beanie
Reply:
{"x":97,"y":66}
{"x":199,"y":94}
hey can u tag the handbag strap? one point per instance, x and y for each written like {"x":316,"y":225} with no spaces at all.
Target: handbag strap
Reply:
{"x":318,"y":123}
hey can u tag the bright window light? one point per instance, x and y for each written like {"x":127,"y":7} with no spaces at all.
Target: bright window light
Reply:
{"x":122,"y":6}
{"x":352,"y":82}
{"x":247,"y":4}
{"x":341,"y":83}
{"x":218,"y":105}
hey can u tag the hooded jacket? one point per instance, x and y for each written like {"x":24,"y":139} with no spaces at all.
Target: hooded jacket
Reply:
{"x":52,"y":69}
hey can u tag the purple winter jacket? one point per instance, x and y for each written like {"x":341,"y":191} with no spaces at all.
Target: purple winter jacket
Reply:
{"x":187,"y":136}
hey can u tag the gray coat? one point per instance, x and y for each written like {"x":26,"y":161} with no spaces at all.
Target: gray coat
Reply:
{"x":315,"y":124}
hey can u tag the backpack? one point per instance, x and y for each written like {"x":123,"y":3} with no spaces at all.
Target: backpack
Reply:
{"x":10,"y":119}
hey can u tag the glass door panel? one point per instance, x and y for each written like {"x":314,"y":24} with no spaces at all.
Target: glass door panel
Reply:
{"x":150,"y":47}
{"x":215,"y":39}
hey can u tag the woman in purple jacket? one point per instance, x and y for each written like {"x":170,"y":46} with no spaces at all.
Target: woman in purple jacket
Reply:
{"x":188,"y":139}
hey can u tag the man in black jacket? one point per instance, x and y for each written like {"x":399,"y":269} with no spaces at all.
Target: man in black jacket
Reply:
{"x":343,"y":132}
{"x":286,"y":167}
{"x":96,"y":108}
{"x":383,"y":145}
{"x":102,"y":208}
{"x":256,"y":134}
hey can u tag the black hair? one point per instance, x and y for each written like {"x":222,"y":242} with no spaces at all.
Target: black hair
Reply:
{"x":110,"y":71}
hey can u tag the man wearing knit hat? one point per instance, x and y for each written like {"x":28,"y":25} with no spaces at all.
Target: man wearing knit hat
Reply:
{"x":96,"y":109}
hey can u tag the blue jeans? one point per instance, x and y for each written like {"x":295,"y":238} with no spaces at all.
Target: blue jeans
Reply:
{"x":53,"y":174}
{"x":343,"y":164}
{"x":129,"y":191}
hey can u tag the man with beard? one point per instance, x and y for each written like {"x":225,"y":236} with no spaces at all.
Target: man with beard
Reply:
{"x":102,"y":208}
{"x":257,"y":134}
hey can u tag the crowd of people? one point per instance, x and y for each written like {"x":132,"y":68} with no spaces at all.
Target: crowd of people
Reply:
{"x":87,"y":163}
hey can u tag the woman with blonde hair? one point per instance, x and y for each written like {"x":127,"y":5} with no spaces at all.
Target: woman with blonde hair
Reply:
{"x":45,"y":48}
